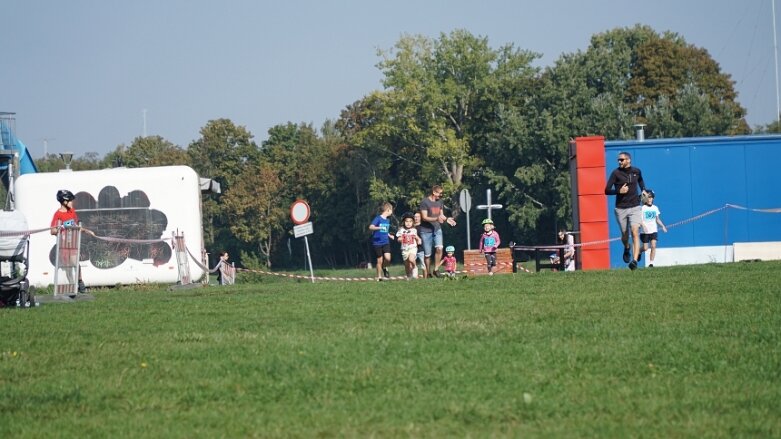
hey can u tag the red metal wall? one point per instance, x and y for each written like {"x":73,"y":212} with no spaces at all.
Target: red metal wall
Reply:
{"x":591,"y":201}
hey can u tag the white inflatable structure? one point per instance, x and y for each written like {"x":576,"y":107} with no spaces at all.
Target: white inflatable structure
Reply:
{"x":133,"y":213}
{"x":12,"y":246}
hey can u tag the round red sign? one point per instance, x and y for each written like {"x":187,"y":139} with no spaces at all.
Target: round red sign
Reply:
{"x":299,"y":212}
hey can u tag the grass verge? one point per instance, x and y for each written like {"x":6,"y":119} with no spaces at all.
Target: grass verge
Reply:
{"x":682,"y":351}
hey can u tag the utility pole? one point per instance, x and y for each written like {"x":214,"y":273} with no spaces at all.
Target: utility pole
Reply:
{"x":46,"y":145}
{"x":775,"y":53}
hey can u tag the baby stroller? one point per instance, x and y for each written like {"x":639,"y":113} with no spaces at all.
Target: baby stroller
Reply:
{"x":14,"y":257}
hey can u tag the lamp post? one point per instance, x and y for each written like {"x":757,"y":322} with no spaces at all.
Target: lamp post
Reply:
{"x":67,"y":157}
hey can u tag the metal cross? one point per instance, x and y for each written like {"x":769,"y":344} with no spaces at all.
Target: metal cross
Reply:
{"x":488,"y":206}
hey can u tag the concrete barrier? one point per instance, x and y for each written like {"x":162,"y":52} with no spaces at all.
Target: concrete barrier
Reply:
{"x":765,"y":251}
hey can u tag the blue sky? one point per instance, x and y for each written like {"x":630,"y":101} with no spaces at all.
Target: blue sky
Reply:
{"x":80,"y":73}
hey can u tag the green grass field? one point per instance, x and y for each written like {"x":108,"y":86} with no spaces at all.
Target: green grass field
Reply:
{"x":668,"y":352}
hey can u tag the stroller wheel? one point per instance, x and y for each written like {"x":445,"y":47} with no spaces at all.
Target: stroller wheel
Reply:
{"x":31,"y":297}
{"x":22,"y":299}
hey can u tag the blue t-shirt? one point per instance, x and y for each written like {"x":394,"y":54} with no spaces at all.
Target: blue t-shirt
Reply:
{"x":380,"y":237}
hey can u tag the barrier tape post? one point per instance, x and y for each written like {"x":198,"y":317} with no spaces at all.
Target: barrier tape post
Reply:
{"x":66,"y":258}
{"x":204,"y":263}
{"x":228,"y":274}
{"x":182,"y":262}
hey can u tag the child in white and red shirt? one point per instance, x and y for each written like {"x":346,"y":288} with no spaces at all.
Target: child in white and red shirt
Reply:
{"x":408,"y":237}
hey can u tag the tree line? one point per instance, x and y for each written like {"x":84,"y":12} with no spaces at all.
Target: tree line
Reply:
{"x":452,"y":111}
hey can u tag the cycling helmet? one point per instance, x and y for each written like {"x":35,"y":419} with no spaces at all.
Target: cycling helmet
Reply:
{"x":449,"y":249}
{"x":409,"y":215}
{"x":488,"y":221}
{"x":648,"y":194}
{"x":64,"y":195}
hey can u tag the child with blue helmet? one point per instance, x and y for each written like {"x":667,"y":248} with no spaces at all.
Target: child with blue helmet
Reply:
{"x":449,"y":261}
{"x":489,"y":242}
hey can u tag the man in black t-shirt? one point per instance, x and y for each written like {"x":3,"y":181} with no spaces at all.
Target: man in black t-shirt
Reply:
{"x":623,"y":183}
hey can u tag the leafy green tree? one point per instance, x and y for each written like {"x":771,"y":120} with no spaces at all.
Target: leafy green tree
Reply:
{"x":308,"y":169}
{"x":53,"y":163}
{"x":436,"y":119}
{"x":221,"y":153}
{"x":49,"y":163}
{"x":254,"y":208}
{"x":146,"y":152}
{"x":441,"y":93}
{"x":687,"y":77}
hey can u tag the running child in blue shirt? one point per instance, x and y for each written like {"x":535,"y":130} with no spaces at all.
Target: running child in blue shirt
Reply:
{"x":381,"y":237}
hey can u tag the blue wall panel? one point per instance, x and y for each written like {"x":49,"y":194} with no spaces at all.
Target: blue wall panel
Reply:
{"x":719,"y":178}
{"x":696,"y":175}
{"x":764,"y":191}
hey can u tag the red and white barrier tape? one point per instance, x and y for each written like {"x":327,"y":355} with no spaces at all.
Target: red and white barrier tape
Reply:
{"x":483,"y":264}
{"x":344,"y":278}
{"x":7,"y":233}
{"x":771,"y":210}
{"x":23,"y":232}
{"x":301,"y":276}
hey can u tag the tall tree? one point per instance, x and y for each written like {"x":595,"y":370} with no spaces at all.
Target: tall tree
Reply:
{"x":305,"y":165}
{"x":432,"y":121}
{"x":254,"y":208}
{"x":145,"y":152}
{"x":222,"y":153}
{"x":446,"y":90}
{"x":667,"y":67}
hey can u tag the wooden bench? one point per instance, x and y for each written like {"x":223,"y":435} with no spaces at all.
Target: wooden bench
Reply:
{"x":540,"y":254}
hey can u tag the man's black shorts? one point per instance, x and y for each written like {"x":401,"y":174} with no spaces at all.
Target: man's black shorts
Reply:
{"x":380,"y":250}
{"x":648,"y":237}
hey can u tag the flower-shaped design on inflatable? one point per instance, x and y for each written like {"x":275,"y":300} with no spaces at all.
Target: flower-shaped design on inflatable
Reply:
{"x":115,"y":216}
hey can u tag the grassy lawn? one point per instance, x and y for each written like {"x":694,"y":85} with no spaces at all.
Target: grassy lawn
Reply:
{"x":667,"y":352}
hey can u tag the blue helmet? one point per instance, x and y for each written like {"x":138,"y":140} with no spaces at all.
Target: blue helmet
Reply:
{"x":450,"y":249}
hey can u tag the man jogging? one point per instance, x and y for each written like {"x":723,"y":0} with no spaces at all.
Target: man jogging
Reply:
{"x":623,"y":183}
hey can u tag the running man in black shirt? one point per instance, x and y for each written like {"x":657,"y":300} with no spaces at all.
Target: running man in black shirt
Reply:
{"x":623,"y":183}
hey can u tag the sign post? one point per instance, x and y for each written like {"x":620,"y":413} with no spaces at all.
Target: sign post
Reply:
{"x":488,"y":206}
{"x":299,"y":213}
{"x":466,"y":203}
